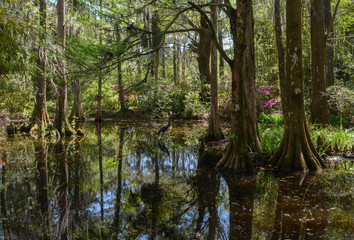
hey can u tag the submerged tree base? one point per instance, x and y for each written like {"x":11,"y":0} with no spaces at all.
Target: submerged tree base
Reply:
{"x":235,"y":159}
{"x":296,"y":152}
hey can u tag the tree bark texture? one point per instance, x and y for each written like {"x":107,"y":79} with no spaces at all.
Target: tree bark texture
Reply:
{"x":40,"y":115}
{"x":296,"y":151}
{"x":214,"y":132}
{"x":329,"y":66}
{"x":221,"y":60}
{"x":319,"y":105}
{"x":249,"y":79}
{"x":77,"y":111}
{"x":203,"y":50}
{"x":61,"y":122}
{"x":280,"y":49}
{"x":237,"y":156}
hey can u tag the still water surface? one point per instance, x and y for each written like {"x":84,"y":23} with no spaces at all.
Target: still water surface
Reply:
{"x":122,"y":182}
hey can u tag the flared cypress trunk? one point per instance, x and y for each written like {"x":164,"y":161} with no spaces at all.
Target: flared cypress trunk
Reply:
{"x":319,"y":105}
{"x":61,"y":122}
{"x":251,"y":124}
{"x":237,"y":156}
{"x":214,"y":132}
{"x":296,"y":151}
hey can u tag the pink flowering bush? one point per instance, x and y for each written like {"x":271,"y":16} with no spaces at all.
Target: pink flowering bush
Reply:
{"x":266,"y":98}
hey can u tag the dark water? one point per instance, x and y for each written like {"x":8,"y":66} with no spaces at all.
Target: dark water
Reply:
{"x":121,"y":182}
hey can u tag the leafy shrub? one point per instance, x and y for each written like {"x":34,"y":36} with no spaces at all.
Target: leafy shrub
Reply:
{"x":193,"y":106}
{"x":341,"y":100}
{"x":270,"y":119}
{"x":271,"y":138}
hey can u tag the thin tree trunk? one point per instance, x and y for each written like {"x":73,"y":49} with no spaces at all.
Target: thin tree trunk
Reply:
{"x":183,"y":62}
{"x":99,"y":117}
{"x":214,"y":130}
{"x":296,"y":151}
{"x":221,"y":59}
{"x":319,"y":105}
{"x":280,"y":49}
{"x":61,"y":122}
{"x":120,"y":76}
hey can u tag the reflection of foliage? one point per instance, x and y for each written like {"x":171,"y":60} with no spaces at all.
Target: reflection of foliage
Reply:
{"x":264,"y":205}
{"x":151,"y":193}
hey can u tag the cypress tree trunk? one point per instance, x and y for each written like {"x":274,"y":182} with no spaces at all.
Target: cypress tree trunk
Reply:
{"x":203,"y":51}
{"x":77,"y":111}
{"x":61,"y":122}
{"x":120,"y":76}
{"x":249,"y":81}
{"x":296,"y":151}
{"x":221,"y":59}
{"x":237,"y":156}
{"x":214,"y":130}
{"x":280,"y":49}
{"x":319,"y":105}
{"x":98,"y":116}
{"x":329,"y":44}
{"x":40,"y":117}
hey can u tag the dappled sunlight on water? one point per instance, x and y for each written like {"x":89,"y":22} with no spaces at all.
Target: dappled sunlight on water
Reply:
{"x":122,"y":182}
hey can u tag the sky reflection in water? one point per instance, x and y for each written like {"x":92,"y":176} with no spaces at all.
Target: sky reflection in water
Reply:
{"x":120,"y":182}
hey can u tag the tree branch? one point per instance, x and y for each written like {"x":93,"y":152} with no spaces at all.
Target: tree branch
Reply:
{"x":214,"y":36}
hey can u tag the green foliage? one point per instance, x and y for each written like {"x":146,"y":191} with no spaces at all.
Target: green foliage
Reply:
{"x":271,"y":119}
{"x":271,"y":138}
{"x":194,"y":107}
{"x":333,"y":140}
{"x":341,"y":100}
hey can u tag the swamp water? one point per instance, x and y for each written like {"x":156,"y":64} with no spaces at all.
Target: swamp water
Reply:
{"x":122,"y":182}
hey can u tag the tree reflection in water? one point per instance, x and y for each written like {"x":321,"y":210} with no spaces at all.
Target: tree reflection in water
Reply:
{"x":119,"y":174}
